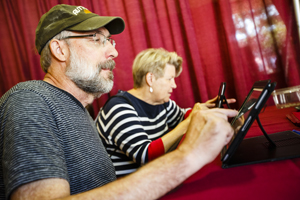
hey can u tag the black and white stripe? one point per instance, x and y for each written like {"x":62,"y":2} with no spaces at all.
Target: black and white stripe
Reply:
{"x":127,"y":129}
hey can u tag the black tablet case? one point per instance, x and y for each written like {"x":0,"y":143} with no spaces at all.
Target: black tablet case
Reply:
{"x":258,"y":149}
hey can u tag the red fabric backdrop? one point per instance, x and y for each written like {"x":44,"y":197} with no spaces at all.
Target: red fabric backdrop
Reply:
{"x":236,"y":41}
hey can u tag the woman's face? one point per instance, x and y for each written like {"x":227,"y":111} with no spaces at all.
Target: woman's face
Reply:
{"x":163,"y":86}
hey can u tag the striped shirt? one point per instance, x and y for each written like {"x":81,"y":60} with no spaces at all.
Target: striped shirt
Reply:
{"x":46,"y":133}
{"x":127,"y":129}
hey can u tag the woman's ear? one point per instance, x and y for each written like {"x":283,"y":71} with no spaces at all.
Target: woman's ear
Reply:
{"x":57,"y":49}
{"x":149,"y":78}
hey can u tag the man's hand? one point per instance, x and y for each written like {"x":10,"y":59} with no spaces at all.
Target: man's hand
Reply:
{"x":196,"y":108}
{"x":207,"y":134}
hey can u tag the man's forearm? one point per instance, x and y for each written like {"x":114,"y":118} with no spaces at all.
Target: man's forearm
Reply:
{"x":206,"y":135}
{"x":150,"y":182}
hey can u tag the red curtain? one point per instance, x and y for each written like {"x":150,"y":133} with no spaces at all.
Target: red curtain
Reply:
{"x":236,"y":41}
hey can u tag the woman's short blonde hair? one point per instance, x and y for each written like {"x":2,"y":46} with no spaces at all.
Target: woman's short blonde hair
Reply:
{"x":154,"y":61}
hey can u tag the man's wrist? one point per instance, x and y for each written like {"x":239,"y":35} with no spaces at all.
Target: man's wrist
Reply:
{"x":191,"y":159}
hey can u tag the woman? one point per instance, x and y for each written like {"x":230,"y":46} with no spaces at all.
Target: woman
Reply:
{"x":143,"y":123}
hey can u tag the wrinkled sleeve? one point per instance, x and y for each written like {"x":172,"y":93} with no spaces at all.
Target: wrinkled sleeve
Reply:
{"x":31,"y":147}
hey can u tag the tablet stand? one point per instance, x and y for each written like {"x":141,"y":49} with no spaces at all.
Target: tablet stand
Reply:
{"x":271,"y":143}
{"x":223,"y":98}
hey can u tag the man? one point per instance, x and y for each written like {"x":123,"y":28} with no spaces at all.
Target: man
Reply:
{"x":49,"y":145}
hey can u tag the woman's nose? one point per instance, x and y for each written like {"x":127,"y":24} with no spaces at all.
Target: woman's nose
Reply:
{"x":174,"y":84}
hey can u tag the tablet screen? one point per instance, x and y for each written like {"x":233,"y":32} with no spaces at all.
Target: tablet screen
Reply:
{"x":244,"y":111}
{"x":242,"y":117}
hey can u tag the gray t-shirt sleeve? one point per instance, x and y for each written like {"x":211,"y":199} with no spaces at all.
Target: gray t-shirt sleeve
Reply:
{"x":30,"y":126}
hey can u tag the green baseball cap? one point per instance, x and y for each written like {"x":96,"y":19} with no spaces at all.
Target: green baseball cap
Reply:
{"x":74,"y":18}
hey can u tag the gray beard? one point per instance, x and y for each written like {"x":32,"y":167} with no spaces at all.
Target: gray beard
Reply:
{"x":90,"y":81}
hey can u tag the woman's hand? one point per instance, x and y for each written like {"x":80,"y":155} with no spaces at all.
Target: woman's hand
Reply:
{"x":213,"y":102}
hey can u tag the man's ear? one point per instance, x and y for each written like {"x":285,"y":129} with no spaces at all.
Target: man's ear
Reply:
{"x":58,"y":49}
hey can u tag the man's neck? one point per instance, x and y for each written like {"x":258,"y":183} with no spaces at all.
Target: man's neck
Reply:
{"x":69,"y":86}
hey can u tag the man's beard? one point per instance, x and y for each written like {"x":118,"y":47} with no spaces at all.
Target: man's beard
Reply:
{"x":87,"y":78}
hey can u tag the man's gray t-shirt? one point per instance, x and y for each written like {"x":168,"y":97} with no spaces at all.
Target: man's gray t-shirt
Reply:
{"x":46,"y":133}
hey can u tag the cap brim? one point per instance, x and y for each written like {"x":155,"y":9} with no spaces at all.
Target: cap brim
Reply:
{"x":114,"y":25}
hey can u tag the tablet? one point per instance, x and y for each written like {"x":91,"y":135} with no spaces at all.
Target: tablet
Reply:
{"x":249,"y":111}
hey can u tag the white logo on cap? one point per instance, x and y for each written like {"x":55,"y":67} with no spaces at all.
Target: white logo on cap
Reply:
{"x":78,"y":9}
